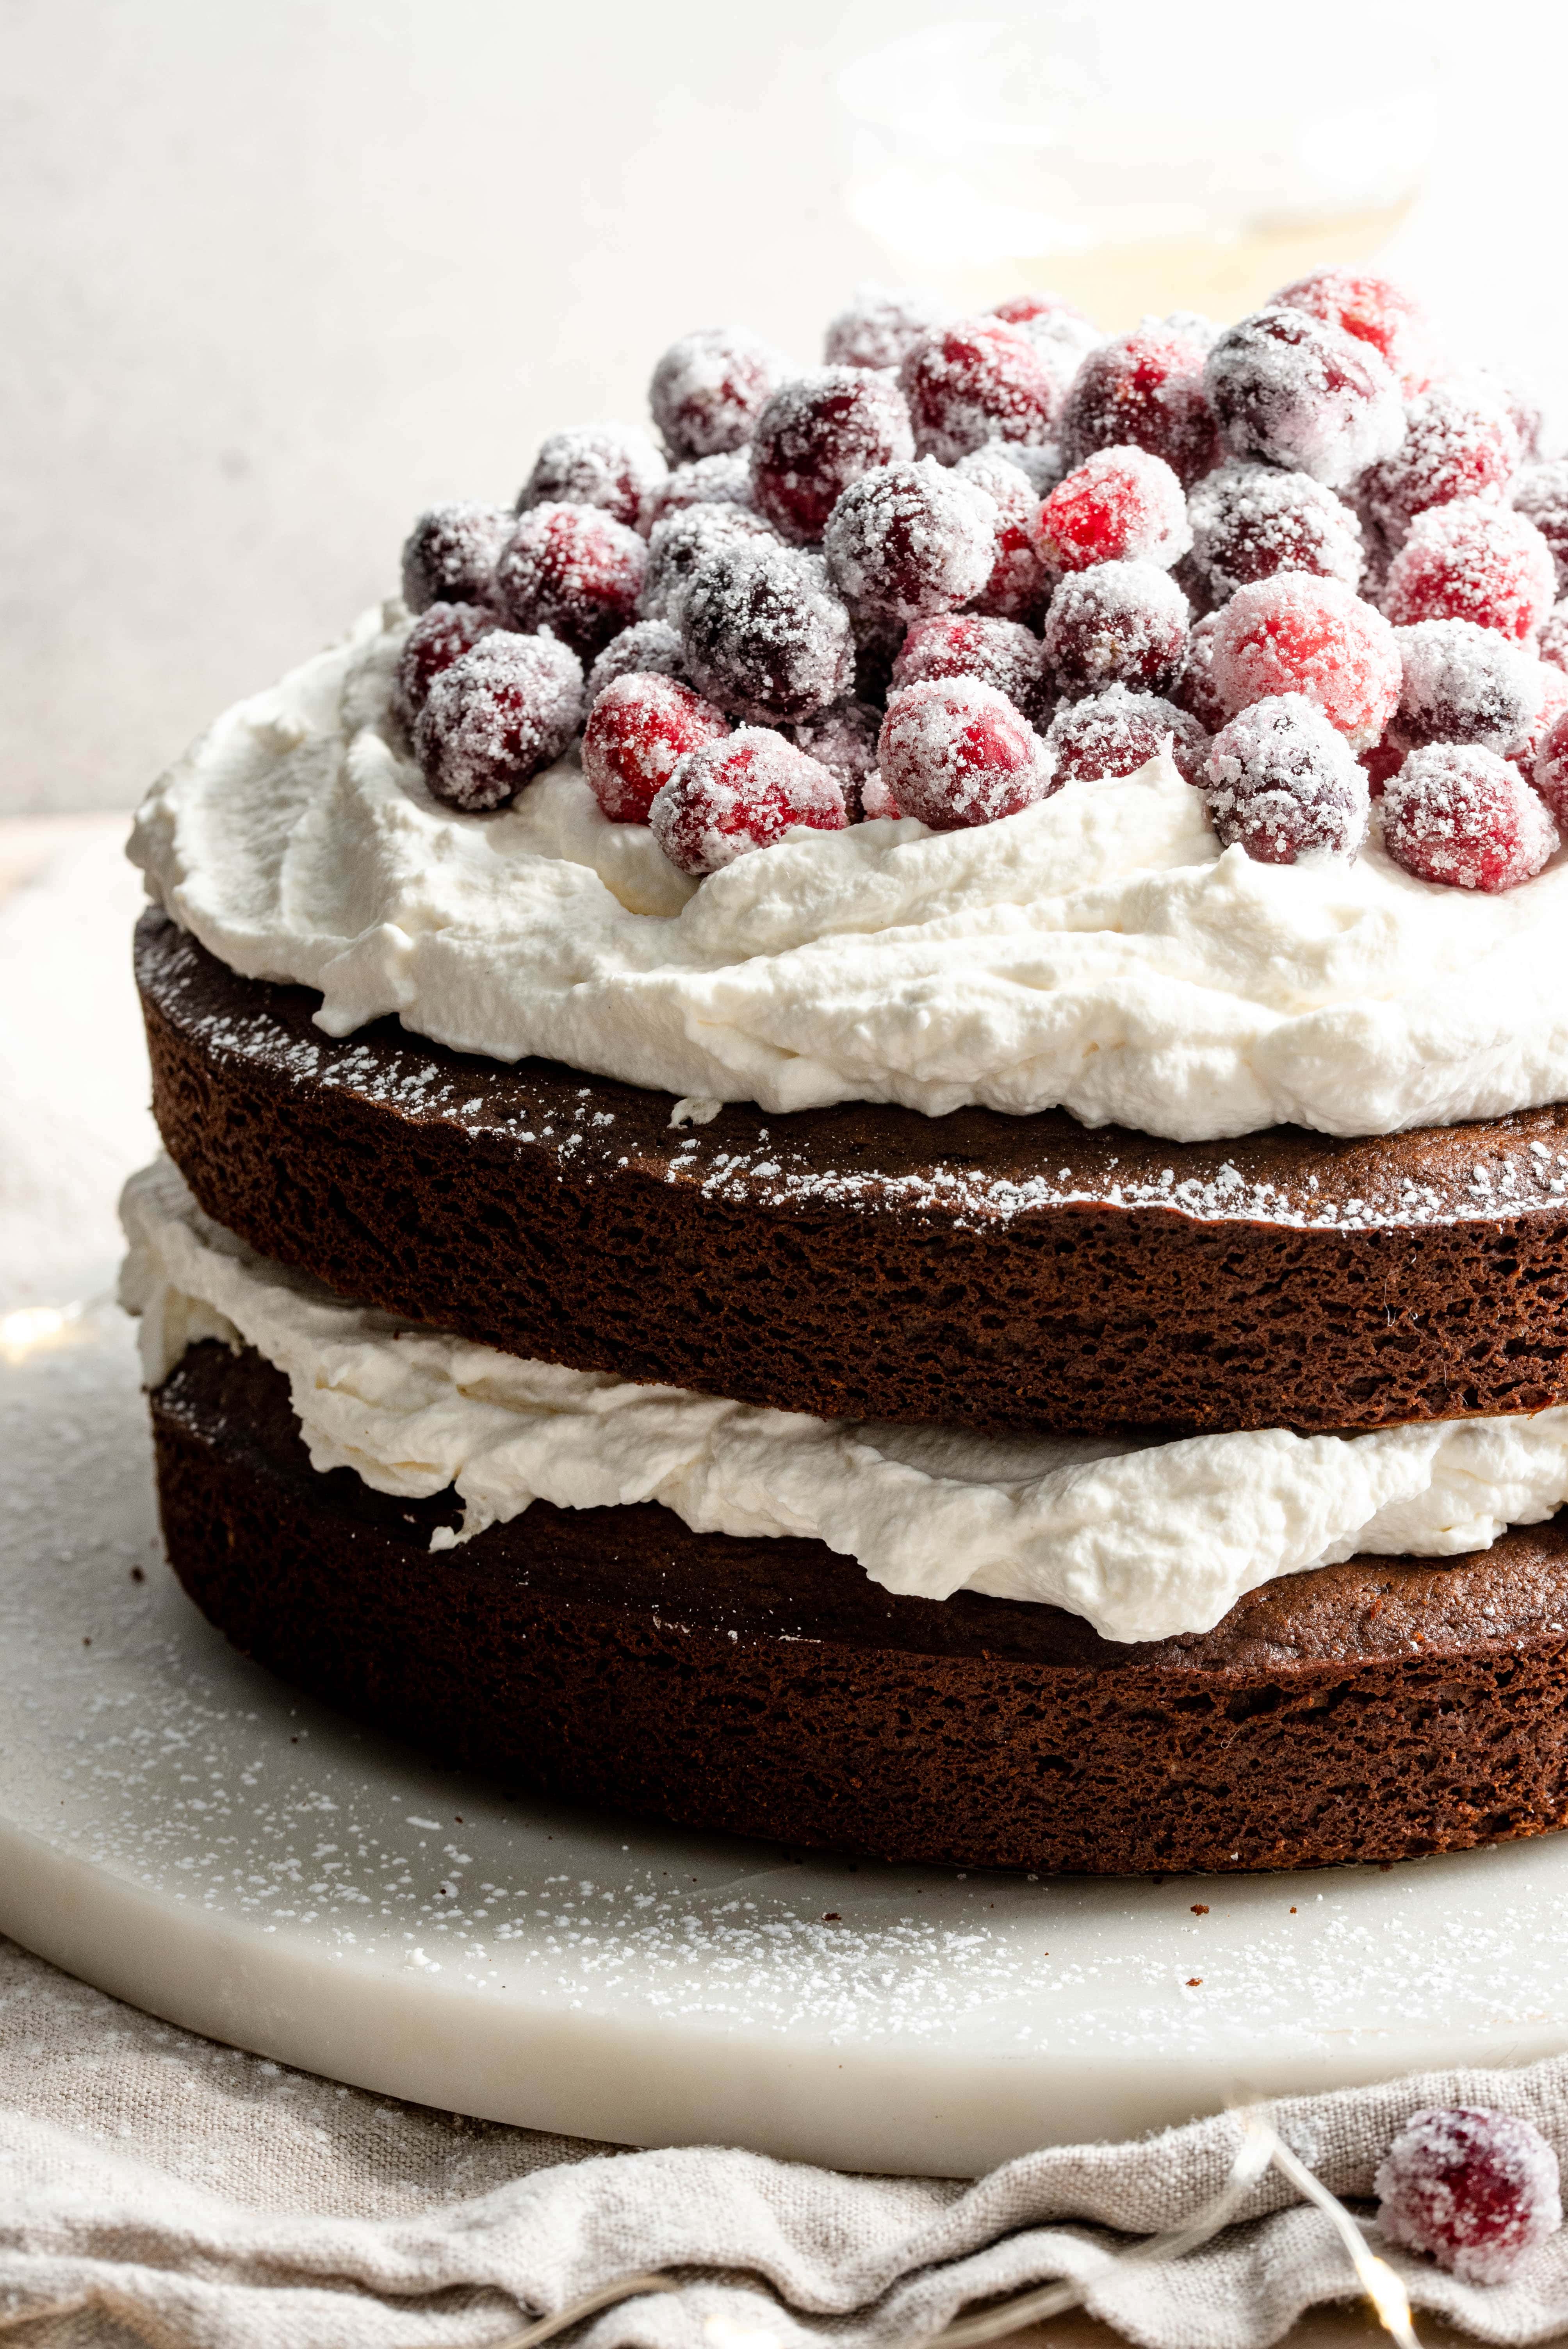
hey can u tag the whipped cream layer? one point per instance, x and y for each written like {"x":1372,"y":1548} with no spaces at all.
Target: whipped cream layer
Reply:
{"x":1097,"y":953}
{"x":1145,"y":1541}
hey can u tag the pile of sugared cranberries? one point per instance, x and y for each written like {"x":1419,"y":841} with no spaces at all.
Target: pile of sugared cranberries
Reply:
{"x":970,"y":561}
{"x":1472,"y":2188}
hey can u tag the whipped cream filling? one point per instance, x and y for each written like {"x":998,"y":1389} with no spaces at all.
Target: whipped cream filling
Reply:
{"x":1097,"y":953}
{"x":1145,"y":1541}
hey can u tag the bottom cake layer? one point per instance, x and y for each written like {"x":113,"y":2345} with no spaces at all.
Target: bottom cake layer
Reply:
{"x":1366,"y":1712}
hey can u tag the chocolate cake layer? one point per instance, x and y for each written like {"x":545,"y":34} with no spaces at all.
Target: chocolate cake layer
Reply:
{"x":1370,"y":1710}
{"x":869,"y":1261}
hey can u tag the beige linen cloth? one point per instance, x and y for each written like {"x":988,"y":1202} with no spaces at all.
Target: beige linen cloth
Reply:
{"x":180,"y":2194}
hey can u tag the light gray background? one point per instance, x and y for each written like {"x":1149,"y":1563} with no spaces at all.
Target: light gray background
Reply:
{"x":274,"y":276}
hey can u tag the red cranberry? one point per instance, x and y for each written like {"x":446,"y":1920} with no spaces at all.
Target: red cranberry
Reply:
{"x":1373,"y":310}
{"x":1472,"y":561}
{"x":1192,"y":688}
{"x":1460,"y":815}
{"x":603,"y":465}
{"x":955,"y":753}
{"x":722,"y":481}
{"x":1283,"y":784}
{"x":1120,"y":505}
{"x":995,"y":652}
{"x":878,"y":325}
{"x":1464,"y":684}
{"x":817,"y":435}
{"x":638,"y":728}
{"x":574,"y":571}
{"x":907,"y":540}
{"x":1115,"y":624}
{"x":449,"y":555}
{"x":442,"y":634}
{"x":496,"y":716}
{"x":1295,"y":391}
{"x":977,"y":380}
{"x":1146,"y":388}
{"x":648,"y":647}
{"x":709,"y":389}
{"x":1457,"y":444}
{"x":686,"y":538}
{"x":1540,"y":495}
{"x":1026,"y":310}
{"x":1555,"y":637}
{"x":1019,"y":587}
{"x":726,"y":797}
{"x":1474,"y":2189}
{"x":764,"y":636}
{"x":1297,"y":634}
{"x":1251,"y":521}
{"x":1115,"y":732}
{"x":843,"y":738}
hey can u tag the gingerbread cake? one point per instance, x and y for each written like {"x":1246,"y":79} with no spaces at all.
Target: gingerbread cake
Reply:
{"x":866,"y":1118}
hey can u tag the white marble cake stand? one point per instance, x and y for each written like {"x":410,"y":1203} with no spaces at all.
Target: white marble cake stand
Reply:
{"x":179,"y":1829}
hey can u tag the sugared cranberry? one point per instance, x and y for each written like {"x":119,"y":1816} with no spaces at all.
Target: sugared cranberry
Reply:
{"x":908,"y":541}
{"x":1120,"y":505}
{"x":977,"y":380}
{"x":1540,"y":495}
{"x":843,"y":738}
{"x":574,"y":571}
{"x":817,"y":434}
{"x":1472,"y":561}
{"x":1297,"y":392}
{"x":449,"y":555}
{"x":498,"y":716}
{"x":1474,"y":2189}
{"x":1192,"y":688}
{"x":725,"y":799}
{"x":880,"y":323}
{"x":637,"y":729}
{"x":442,"y":634}
{"x":1023,"y":309}
{"x":1042,"y":466}
{"x":1460,"y":815}
{"x":709,"y":389}
{"x":1115,"y":624}
{"x":1252,"y":521}
{"x":1019,"y":586}
{"x":649,"y":647}
{"x":764,"y":636}
{"x":1375,"y":311}
{"x":999,"y":653}
{"x":1298,"y":634}
{"x":1115,"y":732}
{"x":1145,"y":388}
{"x":605,"y":465}
{"x":687,"y":537}
{"x":1458,"y":443}
{"x":1464,"y":684}
{"x":1524,"y":405}
{"x":1553,"y":647}
{"x":955,"y":753}
{"x":1283,"y":784}
{"x":722,"y":481}
{"x":877,"y":802}
{"x":1527,"y":748}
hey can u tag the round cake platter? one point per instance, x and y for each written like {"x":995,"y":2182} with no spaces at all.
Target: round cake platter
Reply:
{"x":185,"y":1832}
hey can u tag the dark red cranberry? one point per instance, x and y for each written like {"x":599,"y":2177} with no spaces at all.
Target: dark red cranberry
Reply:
{"x":574,"y":571}
{"x":1298,"y":634}
{"x":637,"y":729}
{"x":1146,"y":389}
{"x":1019,"y":587}
{"x":1541,"y":495}
{"x":1192,"y":688}
{"x":764,"y":636}
{"x":442,"y":634}
{"x":1115,"y":624}
{"x":710,"y":387}
{"x":1283,"y":784}
{"x":843,"y":738}
{"x":648,"y":647}
{"x":496,"y":716}
{"x":1375,"y":311}
{"x":449,"y":555}
{"x":908,"y":541}
{"x":1115,"y":732}
{"x":1295,"y":392}
{"x":687,"y":537}
{"x":1474,"y":2189}
{"x":995,"y":652}
{"x":955,"y":753}
{"x":1251,"y":521}
{"x":877,"y":326}
{"x":723,"y":481}
{"x":1464,"y":684}
{"x":817,"y":434}
{"x":603,"y":465}
{"x":1120,"y":505}
{"x":1458,"y":444}
{"x":1382,"y":762}
{"x":725,"y":799}
{"x":974,"y":381}
{"x":1461,"y":816}
{"x":1470,"y":559}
